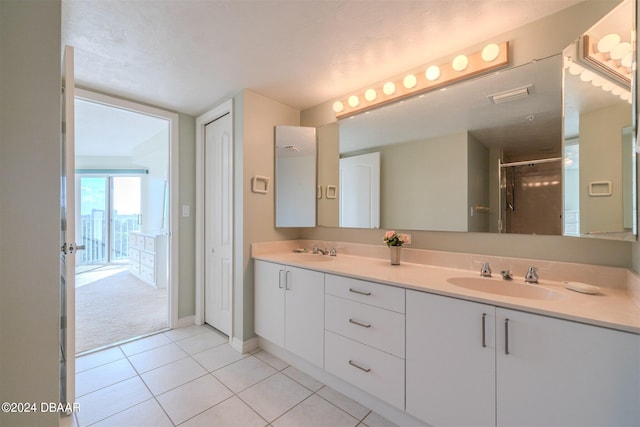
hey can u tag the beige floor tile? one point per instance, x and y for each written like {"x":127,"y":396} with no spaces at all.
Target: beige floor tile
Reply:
{"x":145,"y":414}
{"x":110,"y":400}
{"x":157,"y":357}
{"x":191,"y":399}
{"x":271,"y":360}
{"x":203,"y":341}
{"x":244,"y":373}
{"x":186,"y":332}
{"x":376,"y":420}
{"x":103,"y":376}
{"x":274,"y":396}
{"x":233,"y":412}
{"x":315,"y":412}
{"x":145,"y":344}
{"x":343,"y":402}
{"x":167,"y":377}
{"x":102,"y":357}
{"x":302,"y":378}
{"x":218,"y":357}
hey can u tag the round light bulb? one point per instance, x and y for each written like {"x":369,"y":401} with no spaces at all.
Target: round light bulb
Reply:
{"x":587,"y":76}
{"x":620,"y":51}
{"x":616,"y":90}
{"x":607,"y":43}
{"x":575,"y":69}
{"x":370,"y":95}
{"x":627,"y":60}
{"x":490,"y":52}
{"x":410,"y":81}
{"x":353,"y":101}
{"x":338,"y":107}
{"x":460,"y":63}
{"x":389,"y":88}
{"x":433,"y":73}
{"x":607,"y":87}
{"x":597,"y":81}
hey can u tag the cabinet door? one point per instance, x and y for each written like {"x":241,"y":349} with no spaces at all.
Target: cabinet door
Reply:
{"x":450,"y":370}
{"x":268,"y":279}
{"x":304,"y":326}
{"x":562,"y":373}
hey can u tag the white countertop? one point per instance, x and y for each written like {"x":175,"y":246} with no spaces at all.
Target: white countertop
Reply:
{"x":610,"y":308}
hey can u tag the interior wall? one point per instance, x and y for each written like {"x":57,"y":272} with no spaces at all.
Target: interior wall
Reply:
{"x":540,"y":39}
{"x":187,"y":224}
{"x":29,"y":207}
{"x":477,"y":185}
{"x":255,"y":117}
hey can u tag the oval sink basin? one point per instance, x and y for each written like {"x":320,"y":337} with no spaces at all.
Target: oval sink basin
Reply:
{"x":306,"y":256}
{"x":506,"y":288}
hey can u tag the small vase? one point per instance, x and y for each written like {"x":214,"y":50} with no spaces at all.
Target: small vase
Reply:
{"x":394,"y":253}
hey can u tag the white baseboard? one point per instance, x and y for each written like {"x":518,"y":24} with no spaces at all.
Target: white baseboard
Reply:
{"x":244,"y":346}
{"x":186,"y":321}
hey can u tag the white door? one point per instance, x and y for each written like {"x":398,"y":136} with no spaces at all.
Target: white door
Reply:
{"x":360,"y":191}
{"x":67,"y":234}
{"x":218,"y":223}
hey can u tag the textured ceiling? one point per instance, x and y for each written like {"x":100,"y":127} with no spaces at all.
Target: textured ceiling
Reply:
{"x":188,"y":55}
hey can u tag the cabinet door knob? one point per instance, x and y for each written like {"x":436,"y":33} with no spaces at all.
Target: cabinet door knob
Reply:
{"x":280,"y":278}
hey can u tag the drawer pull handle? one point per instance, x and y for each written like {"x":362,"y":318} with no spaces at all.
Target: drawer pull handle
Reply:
{"x":280,"y":278}
{"x":364,"y":325}
{"x":355,"y":291}
{"x":351,"y":362}
{"x":484,"y":334}
{"x":506,"y":336}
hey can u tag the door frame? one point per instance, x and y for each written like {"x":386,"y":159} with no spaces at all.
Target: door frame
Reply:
{"x":173,"y":232}
{"x":215,"y":113}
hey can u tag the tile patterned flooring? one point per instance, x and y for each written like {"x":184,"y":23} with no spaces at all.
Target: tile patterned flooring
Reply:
{"x":192,"y":377}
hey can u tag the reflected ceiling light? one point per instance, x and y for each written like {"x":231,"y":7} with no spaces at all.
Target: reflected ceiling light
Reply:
{"x":410,"y":81}
{"x":587,"y":76}
{"x":490,"y":52}
{"x":575,"y":69}
{"x":433,"y":73}
{"x":620,"y":51}
{"x":607,"y":43}
{"x":421,"y":80}
{"x":370,"y":95}
{"x":627,"y":60}
{"x":510,"y":95}
{"x":460,"y":63}
{"x":389,"y":88}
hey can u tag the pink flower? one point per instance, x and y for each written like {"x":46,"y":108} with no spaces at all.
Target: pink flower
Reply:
{"x":389,"y":234}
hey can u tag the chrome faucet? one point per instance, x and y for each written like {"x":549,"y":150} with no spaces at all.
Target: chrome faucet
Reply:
{"x":316,"y":250}
{"x":532,"y":275}
{"x":333,"y":251}
{"x":485,"y":271}
{"x":506,"y":275}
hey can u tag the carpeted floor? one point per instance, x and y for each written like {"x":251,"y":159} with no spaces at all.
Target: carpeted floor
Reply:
{"x":117,"y":308}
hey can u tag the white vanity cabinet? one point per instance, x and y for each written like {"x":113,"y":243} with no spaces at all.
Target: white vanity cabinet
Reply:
{"x":450,"y":361}
{"x":364,"y":337}
{"x":289,"y":309}
{"x":515,"y":368}
{"x":563,"y":373}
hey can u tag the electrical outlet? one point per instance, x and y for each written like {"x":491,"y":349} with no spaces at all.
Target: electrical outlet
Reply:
{"x":186,"y":211}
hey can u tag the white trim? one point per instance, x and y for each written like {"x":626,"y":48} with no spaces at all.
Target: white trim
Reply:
{"x":173,"y":118}
{"x":186,"y":321}
{"x":244,"y":346}
{"x":220,"y":110}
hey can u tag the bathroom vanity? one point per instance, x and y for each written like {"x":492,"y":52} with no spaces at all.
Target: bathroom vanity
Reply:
{"x":412,"y":345}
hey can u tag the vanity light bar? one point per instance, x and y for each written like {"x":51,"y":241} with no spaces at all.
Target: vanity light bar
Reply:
{"x":424,"y":79}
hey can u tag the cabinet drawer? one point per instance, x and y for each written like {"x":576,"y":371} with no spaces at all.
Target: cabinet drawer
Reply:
{"x":388,"y":297}
{"x":147,"y":259}
{"x":378,"y":373}
{"x":139,"y":241}
{"x":132,"y":241}
{"x":134,"y":255}
{"x":373,"y":326}
{"x":146,"y":273}
{"x":149,"y":244}
{"x":134,"y":268}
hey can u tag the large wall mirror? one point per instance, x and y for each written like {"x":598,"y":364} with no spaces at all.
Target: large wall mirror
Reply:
{"x":489,"y":155}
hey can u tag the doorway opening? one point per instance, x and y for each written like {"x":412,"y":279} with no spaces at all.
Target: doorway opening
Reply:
{"x":124,"y":171}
